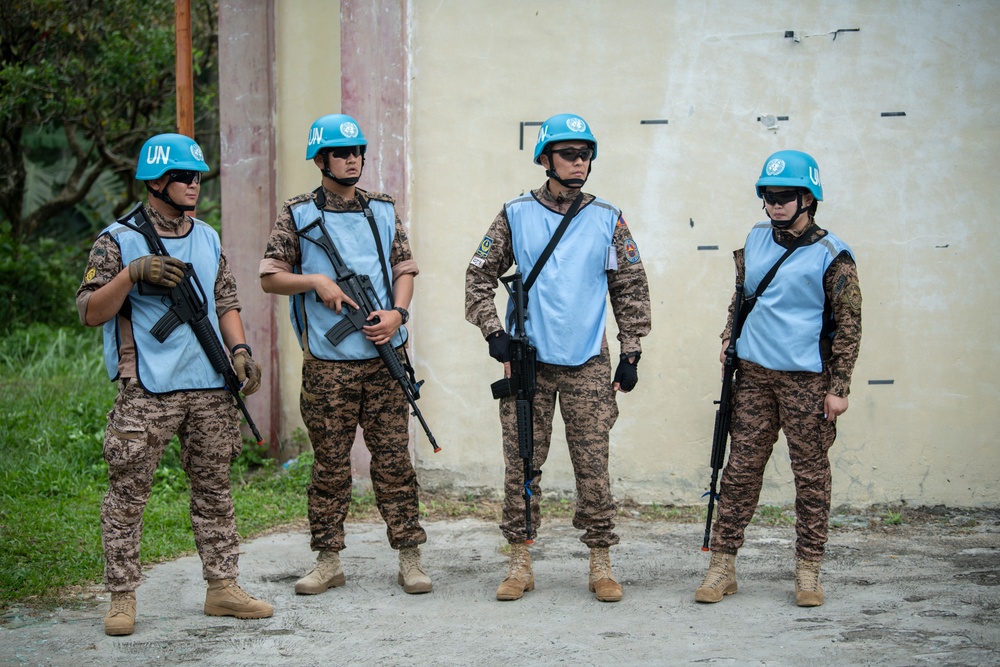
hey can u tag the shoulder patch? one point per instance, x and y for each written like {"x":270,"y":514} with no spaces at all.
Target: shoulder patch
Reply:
{"x":852,"y":297}
{"x":631,"y":251}
{"x":482,"y":252}
{"x":621,"y":221}
{"x":484,"y":247}
{"x":91,"y":272}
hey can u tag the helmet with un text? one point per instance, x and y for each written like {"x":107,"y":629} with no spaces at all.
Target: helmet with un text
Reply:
{"x":168,"y":152}
{"x":793,"y":169}
{"x":563,"y":127}
{"x":333,"y":130}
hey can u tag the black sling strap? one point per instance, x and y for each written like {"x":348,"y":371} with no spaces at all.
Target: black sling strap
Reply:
{"x":370,"y":217}
{"x":750,"y":301}
{"x":378,"y":240}
{"x":544,"y":257}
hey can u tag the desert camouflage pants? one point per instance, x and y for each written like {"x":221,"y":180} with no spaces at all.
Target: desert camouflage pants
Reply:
{"x":764,"y":402}
{"x":589,"y":410}
{"x":140,"y":426}
{"x":336,"y":398}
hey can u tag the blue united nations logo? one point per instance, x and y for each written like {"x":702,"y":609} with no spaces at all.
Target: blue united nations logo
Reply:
{"x":196,"y":153}
{"x":576,"y":125}
{"x":775,"y":167}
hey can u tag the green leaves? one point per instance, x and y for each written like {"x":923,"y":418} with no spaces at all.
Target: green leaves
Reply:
{"x":105,"y":73}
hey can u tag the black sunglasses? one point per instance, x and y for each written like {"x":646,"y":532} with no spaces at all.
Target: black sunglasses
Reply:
{"x":572,"y":154}
{"x":344,"y":152}
{"x":783,"y":197}
{"x":184,"y":176}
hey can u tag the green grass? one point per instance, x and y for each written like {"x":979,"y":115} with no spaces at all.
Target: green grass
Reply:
{"x":54,"y":398}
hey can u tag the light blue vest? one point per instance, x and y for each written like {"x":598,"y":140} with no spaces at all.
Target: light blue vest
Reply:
{"x":353,"y":237}
{"x":567,"y":305}
{"x":179,"y":363}
{"x":783,"y":330}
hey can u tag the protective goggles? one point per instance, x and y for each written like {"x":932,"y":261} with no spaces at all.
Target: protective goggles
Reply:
{"x":344,"y":152}
{"x":184,"y":176}
{"x":783,"y":197}
{"x":572,"y":154}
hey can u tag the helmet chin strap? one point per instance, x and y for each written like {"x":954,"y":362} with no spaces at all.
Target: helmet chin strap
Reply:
{"x":785,"y":224}
{"x":164,"y":197}
{"x":346,"y":182}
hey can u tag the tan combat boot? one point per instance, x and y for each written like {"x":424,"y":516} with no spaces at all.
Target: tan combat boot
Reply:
{"x":720,"y":580}
{"x":226,"y":598}
{"x":120,"y":619}
{"x":326,"y":574}
{"x":520,"y":578}
{"x":808,"y":589}
{"x":412,"y":577}
{"x":602,"y":582}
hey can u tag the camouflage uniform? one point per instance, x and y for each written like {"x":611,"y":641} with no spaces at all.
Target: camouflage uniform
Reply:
{"x":338,"y":396}
{"x":767,"y":400}
{"x":586,"y":397}
{"x":141,"y":425}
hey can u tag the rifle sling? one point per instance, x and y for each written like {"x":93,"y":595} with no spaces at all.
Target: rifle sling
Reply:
{"x":544,"y":257}
{"x":370,"y":217}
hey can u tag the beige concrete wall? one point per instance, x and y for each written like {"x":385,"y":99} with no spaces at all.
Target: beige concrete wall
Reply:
{"x":913,"y":195}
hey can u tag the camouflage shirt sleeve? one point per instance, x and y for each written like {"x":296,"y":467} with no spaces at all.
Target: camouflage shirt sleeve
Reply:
{"x":727,"y":332}
{"x":492,"y":259}
{"x":225,"y":288}
{"x":282,"y":252}
{"x":843,"y":293}
{"x":104,"y":263}
{"x":400,"y":256}
{"x":629,"y":291}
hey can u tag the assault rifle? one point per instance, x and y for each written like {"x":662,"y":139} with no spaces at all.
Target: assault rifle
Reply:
{"x":724,"y":412}
{"x":188,"y":305}
{"x":361,"y":291}
{"x":521,"y":385}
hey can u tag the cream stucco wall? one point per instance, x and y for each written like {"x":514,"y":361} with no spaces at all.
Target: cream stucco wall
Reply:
{"x":914,"y":196}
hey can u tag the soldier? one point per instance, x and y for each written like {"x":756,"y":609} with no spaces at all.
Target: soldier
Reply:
{"x":169,"y":387}
{"x":348,"y":385}
{"x":567,"y":305}
{"x":796,"y":354}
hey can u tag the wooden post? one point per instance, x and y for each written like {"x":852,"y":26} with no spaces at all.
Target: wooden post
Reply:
{"x":185,"y":68}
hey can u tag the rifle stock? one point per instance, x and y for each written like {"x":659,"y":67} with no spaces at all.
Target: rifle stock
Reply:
{"x":362,"y":292}
{"x":521,"y":385}
{"x":723,"y":413}
{"x":188,"y":305}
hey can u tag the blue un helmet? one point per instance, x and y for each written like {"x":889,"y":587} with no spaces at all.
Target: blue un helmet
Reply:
{"x":564,"y":127}
{"x":169,"y":152}
{"x":791,"y":168}
{"x":174,"y":153}
{"x":331,"y":132}
{"x":334,"y":130}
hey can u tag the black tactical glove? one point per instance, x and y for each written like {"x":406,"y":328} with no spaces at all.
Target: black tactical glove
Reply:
{"x":499,"y":346}
{"x":247,"y":369}
{"x":156,"y":270}
{"x":627,"y":373}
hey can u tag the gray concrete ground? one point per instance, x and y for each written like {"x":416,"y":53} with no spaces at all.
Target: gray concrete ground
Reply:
{"x":923,"y":594}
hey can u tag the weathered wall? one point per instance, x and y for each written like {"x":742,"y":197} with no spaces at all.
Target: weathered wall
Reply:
{"x":912,"y":194}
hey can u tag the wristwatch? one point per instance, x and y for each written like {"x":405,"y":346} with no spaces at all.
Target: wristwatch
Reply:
{"x":402,"y":311}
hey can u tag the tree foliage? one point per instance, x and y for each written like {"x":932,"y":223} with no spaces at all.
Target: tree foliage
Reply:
{"x":100,"y":75}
